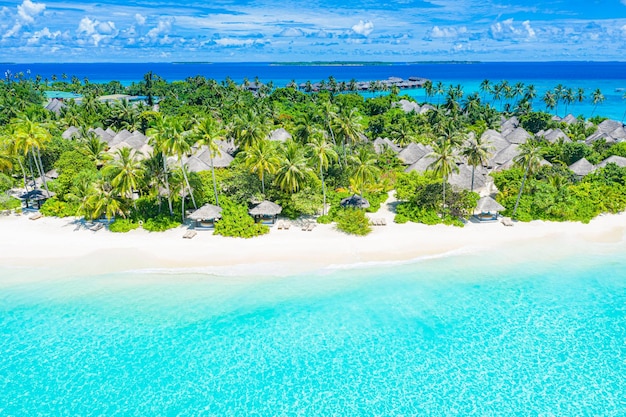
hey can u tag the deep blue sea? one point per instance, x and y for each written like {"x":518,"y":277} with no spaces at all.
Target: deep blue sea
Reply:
{"x":609,"y":77}
{"x":519,"y":331}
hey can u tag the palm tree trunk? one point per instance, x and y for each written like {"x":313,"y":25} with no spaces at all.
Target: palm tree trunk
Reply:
{"x":443,"y":207}
{"x":23,"y":172}
{"x":263,"y":182}
{"x":217,"y":201}
{"x":43,"y":175}
{"x":472,"y":188}
{"x":167,"y":185}
{"x":323,"y":191}
{"x":182,"y":166}
{"x":521,"y":189}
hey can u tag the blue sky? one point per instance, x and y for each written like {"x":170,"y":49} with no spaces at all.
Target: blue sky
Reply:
{"x":288,"y":30}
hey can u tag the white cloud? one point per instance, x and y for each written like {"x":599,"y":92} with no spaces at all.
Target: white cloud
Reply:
{"x":141,"y":19}
{"x":446,"y":32}
{"x":163,"y":28}
{"x":28,"y":10}
{"x":45,"y":33}
{"x":96,"y":29}
{"x":529,"y":30}
{"x":363,"y":28}
{"x":507,"y":30}
{"x":290,"y":33}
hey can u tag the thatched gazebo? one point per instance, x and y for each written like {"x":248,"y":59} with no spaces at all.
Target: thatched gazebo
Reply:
{"x":265,"y":212}
{"x":38,"y":196}
{"x":487,"y":209}
{"x":206,"y":216}
{"x":355,"y":201}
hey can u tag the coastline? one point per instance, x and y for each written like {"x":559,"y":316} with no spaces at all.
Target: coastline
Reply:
{"x":52,"y":243}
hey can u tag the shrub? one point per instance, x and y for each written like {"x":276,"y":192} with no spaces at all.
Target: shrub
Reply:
{"x":5,"y":183}
{"x":236,"y":222}
{"x":122,"y":225}
{"x":325,"y":219}
{"x":55,"y":208}
{"x":353,"y":222}
{"x":160,"y":223}
{"x":400,"y":219}
{"x":9,"y":203}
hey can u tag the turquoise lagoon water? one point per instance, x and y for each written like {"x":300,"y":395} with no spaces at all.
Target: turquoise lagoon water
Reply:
{"x":531,"y":332}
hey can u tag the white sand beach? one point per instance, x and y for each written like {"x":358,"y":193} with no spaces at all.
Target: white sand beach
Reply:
{"x":53,"y":242}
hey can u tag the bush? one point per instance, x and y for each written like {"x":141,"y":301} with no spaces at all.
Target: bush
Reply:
{"x":5,"y":183}
{"x":55,"y":208}
{"x":160,"y":223}
{"x":236,"y":222}
{"x":122,"y":225}
{"x":353,"y":222}
{"x":325,"y":219}
{"x":9,"y":203}
{"x":400,"y":219}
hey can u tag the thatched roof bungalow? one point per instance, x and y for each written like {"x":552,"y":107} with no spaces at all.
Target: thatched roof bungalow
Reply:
{"x":206,"y":216}
{"x":487,"y":209}
{"x":265,"y":212}
{"x":582,"y":167}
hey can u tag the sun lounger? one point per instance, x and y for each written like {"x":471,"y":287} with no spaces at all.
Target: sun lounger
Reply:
{"x":305,"y":226}
{"x":96,"y":227}
{"x":286,"y":225}
{"x":189,"y":234}
{"x":279,"y":225}
{"x":311,"y":226}
{"x":35,"y":216}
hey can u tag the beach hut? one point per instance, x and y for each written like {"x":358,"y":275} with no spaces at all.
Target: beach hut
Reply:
{"x":265,"y":212}
{"x":37,"y":196}
{"x":487,"y":209}
{"x":582,"y":167}
{"x":355,"y":201}
{"x":205,"y":216}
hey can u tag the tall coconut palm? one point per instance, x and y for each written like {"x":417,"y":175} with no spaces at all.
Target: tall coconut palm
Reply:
{"x":529,"y":158}
{"x":261,"y":159}
{"x":305,"y":128}
{"x":549,"y":99}
{"x":444,"y":164}
{"x":363,"y":167}
{"x":597,"y":98}
{"x":92,"y":147}
{"x":158,"y":138}
{"x":349,"y":128}
{"x":328,"y":113}
{"x":249,"y":128}
{"x":176,"y":143}
{"x":207,"y":131}
{"x":323,"y":153}
{"x":30,"y":137}
{"x":477,"y":153}
{"x":485,"y":88}
{"x":293,"y":170}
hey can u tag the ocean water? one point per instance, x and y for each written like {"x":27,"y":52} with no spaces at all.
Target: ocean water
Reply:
{"x":609,"y":77}
{"x":530,"y":331}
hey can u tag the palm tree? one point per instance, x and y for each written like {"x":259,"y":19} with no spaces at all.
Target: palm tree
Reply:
{"x":249,"y":128}
{"x":158,"y":138}
{"x":293,"y":170}
{"x":429,"y":90}
{"x":94,"y":149}
{"x":529,"y":158}
{"x":207,"y":131}
{"x":364,"y":169}
{"x":125,"y":172}
{"x":485,"y":88}
{"x":476,"y":152}
{"x":549,"y":100}
{"x":349,"y":129}
{"x":323,"y":153}
{"x":260,"y":158}
{"x":104,"y":201}
{"x":176,"y":143}
{"x":597,"y":98}
{"x":305,"y":128}
{"x":30,"y":136}
{"x":444,"y":164}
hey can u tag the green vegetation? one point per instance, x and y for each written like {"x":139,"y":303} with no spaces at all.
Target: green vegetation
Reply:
{"x":236,"y":222}
{"x":123,"y":225}
{"x":328,"y":157}
{"x":353,"y":222}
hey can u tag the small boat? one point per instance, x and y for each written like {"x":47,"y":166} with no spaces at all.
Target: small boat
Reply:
{"x":619,"y":90}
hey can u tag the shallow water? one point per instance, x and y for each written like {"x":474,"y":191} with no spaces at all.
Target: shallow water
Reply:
{"x":488,"y":334}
